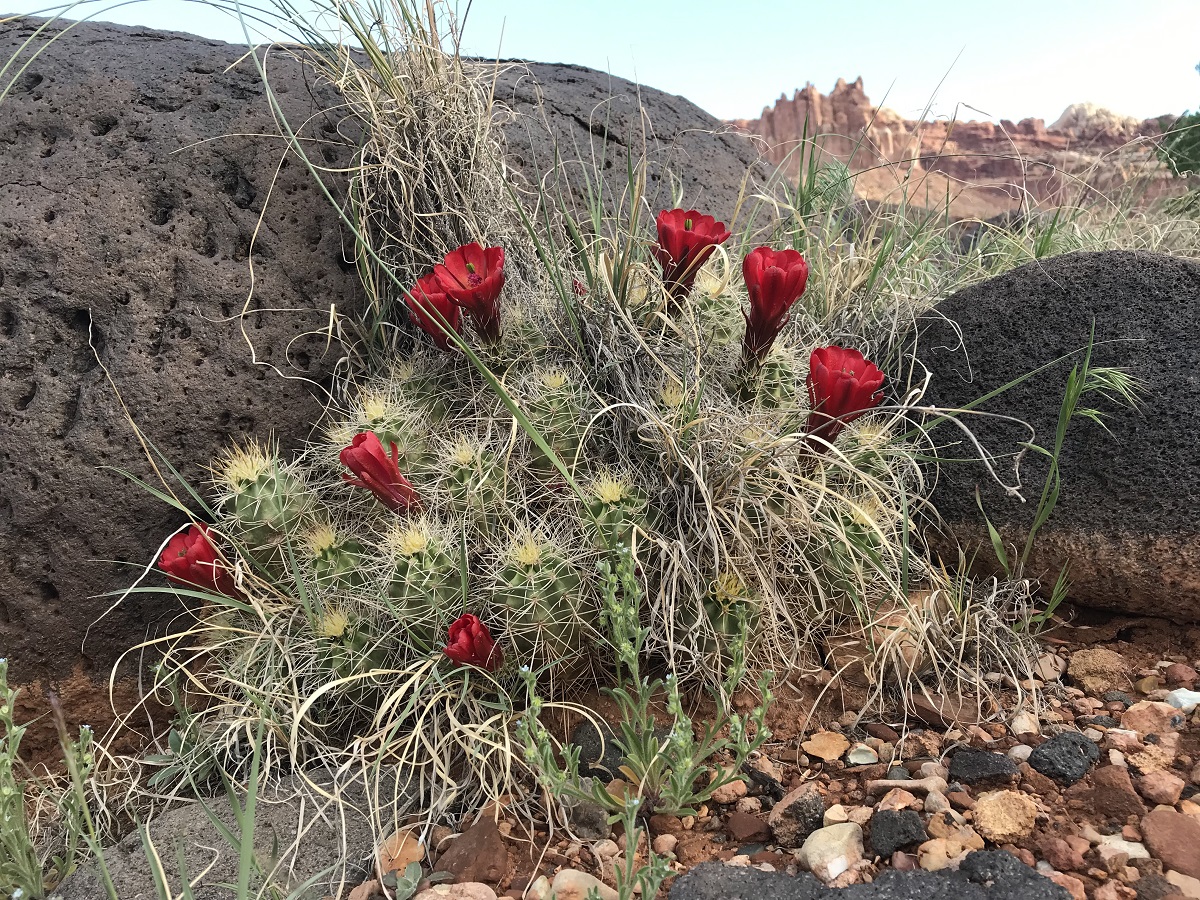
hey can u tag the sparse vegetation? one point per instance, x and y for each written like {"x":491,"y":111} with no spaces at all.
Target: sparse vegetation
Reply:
{"x":592,"y":475}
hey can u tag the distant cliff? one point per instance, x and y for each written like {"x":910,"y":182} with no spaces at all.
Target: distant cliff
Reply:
{"x":986,"y":167}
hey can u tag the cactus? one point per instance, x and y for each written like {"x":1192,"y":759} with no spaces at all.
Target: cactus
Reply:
{"x":267,"y":499}
{"x":424,"y":590}
{"x":473,"y":480}
{"x":616,"y":508}
{"x":352,"y":647}
{"x":556,"y":412}
{"x":729,"y":610}
{"x":394,"y":422}
{"x":537,"y":595}
{"x":337,"y":560}
{"x":777,"y":379}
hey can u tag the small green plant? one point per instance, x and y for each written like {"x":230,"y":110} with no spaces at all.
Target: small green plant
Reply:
{"x":1113,"y":384}
{"x":1180,"y":146}
{"x":670,"y":775}
{"x":20,"y":862}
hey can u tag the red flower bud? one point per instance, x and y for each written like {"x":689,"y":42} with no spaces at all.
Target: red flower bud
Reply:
{"x":471,"y":644}
{"x":191,"y":559}
{"x":473,"y":276}
{"x":842,"y":385}
{"x":378,"y":473}
{"x":686,"y":239}
{"x":430,"y":306}
{"x":775,"y":279}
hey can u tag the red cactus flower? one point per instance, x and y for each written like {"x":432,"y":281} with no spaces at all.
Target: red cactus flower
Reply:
{"x":191,"y":559}
{"x":378,"y":473}
{"x":429,"y":305}
{"x":842,"y":385}
{"x":686,"y":239}
{"x":471,"y":644}
{"x":473,"y":276}
{"x":775,"y":279}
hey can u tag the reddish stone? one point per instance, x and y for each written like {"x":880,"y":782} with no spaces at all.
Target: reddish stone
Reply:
{"x":1151,"y":717}
{"x":1112,"y":890}
{"x":1036,"y":782}
{"x":1181,"y":675}
{"x":960,"y":800}
{"x":1071,"y":885}
{"x":1175,"y":839}
{"x":1110,"y":795}
{"x":660,"y":824}
{"x":478,"y":854}
{"x":1060,"y":854}
{"x":882,"y":732}
{"x":745,"y":828}
{"x":1160,"y":786}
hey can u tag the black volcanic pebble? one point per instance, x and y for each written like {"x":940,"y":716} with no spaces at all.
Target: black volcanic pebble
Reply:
{"x":895,"y":829}
{"x":981,"y":768}
{"x":1065,"y":757}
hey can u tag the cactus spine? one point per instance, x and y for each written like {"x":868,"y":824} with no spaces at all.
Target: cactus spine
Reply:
{"x":424,"y":588}
{"x":336,"y":560}
{"x":538,"y":597}
{"x":267,"y":499}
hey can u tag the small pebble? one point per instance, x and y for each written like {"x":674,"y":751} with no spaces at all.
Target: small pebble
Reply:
{"x":1020,"y":752}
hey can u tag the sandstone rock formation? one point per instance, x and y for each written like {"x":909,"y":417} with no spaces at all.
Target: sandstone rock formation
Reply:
{"x":988,"y":168}
{"x":136,"y":171}
{"x":1126,"y":521}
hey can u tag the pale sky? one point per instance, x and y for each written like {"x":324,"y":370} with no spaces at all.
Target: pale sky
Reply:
{"x":732,"y":57}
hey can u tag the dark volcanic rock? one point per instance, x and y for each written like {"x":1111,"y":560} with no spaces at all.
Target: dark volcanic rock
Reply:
{"x":596,"y":115}
{"x":797,"y":815}
{"x":983,"y":874}
{"x":981,"y":768}
{"x":1065,"y":757}
{"x":895,"y":829}
{"x":136,"y":166}
{"x":599,"y":755}
{"x":1126,"y":517}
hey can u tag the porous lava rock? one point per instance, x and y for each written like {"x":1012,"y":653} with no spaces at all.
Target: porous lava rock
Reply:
{"x":582,"y":113}
{"x":1065,"y":757}
{"x":981,"y":768}
{"x":136,"y":170}
{"x":895,"y":829}
{"x":982,"y":874}
{"x":1125,"y":521}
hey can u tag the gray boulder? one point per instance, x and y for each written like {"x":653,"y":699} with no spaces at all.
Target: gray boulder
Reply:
{"x":137,"y":166}
{"x":1126,"y":520}
{"x":592,"y":115}
{"x":301,"y":837}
